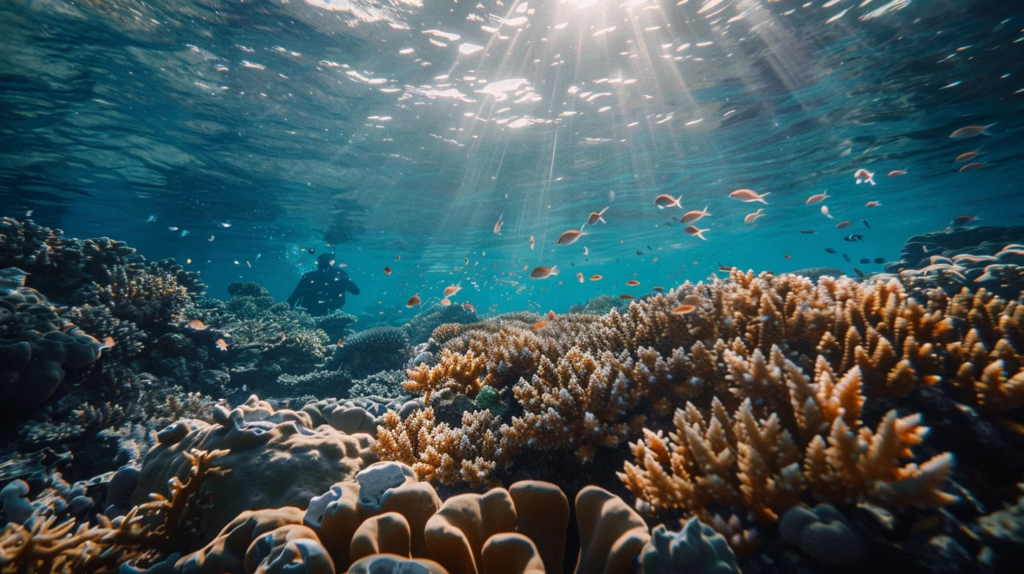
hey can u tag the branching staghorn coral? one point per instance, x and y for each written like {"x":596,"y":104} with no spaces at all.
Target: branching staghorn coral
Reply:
{"x":164,"y":524}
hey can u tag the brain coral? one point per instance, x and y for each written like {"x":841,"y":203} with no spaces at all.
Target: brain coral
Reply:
{"x":372,"y":351}
{"x":274,"y":458}
{"x":37,"y":349}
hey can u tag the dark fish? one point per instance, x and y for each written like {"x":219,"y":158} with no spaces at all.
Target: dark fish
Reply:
{"x":865,"y":222}
{"x":649,"y":247}
{"x":846,"y":257}
{"x":854,"y":237}
{"x":879,"y":260}
{"x":830,"y":250}
{"x":864,"y":261}
{"x":638,"y":252}
{"x":858,"y":272}
{"x":312,"y":250}
{"x":807,"y":231}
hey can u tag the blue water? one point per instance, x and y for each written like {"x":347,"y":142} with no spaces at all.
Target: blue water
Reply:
{"x":311,"y":125}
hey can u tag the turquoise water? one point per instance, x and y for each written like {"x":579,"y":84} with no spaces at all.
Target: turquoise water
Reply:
{"x":406,"y":129}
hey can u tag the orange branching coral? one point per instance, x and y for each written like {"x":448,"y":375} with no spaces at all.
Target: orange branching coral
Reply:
{"x":162,"y":525}
{"x":436,"y":451}
{"x":758,"y":464}
{"x":458,"y":372}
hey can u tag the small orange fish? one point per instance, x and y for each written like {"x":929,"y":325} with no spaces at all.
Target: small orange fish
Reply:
{"x":221,"y":344}
{"x":341,"y":342}
{"x":817,"y":198}
{"x":387,"y":271}
{"x":843,"y":224}
{"x":664,"y":200}
{"x":197,"y":325}
{"x":871,"y":204}
{"x":580,"y":277}
{"x":692,"y":216}
{"x":970,"y":132}
{"x":596,"y":277}
{"x":466,"y":306}
{"x":497,"y":226}
{"x":632,"y":282}
{"x":550,"y":315}
{"x":864,"y":176}
{"x":966,"y":156}
{"x":749,"y":196}
{"x":625,"y":296}
{"x":109,"y":342}
{"x":657,"y":288}
{"x":413,"y":301}
{"x":684,"y":309}
{"x":531,"y":243}
{"x":540,"y":325}
{"x":570,"y":237}
{"x":962,"y":219}
{"x":543,"y":272}
{"x":445,"y":302}
{"x":752,"y":217}
{"x":451,"y":290}
{"x":896,"y":172}
{"x":692,"y":230}
{"x":972,"y":167}
{"x":824,"y":211}
{"x":787,"y":256}
{"x":596,"y":216}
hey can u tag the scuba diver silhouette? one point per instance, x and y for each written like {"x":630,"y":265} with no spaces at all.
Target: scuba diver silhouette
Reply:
{"x":322,"y":291}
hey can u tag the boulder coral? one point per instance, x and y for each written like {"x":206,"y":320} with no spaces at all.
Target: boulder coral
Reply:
{"x":37,"y":350}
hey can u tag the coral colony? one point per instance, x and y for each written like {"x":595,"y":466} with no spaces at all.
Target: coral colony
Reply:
{"x":762,"y":422}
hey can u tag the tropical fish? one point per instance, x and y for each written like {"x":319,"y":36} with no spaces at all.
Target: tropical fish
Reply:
{"x":865,"y":260}
{"x":865,"y":222}
{"x":787,"y":256}
{"x":817,"y":198}
{"x":972,"y":167}
{"x":854,"y":237}
{"x":550,"y":315}
{"x":858,"y":272}
{"x":879,"y":260}
{"x":830,"y":250}
{"x":543,"y":272}
{"x":580,"y":277}
{"x":221,"y":344}
{"x":632,"y":282}
{"x":596,"y":216}
{"x":808,"y":231}
{"x":151,"y":219}
{"x":843,"y":224}
{"x":197,"y":325}
{"x":964,"y":219}
{"x":341,"y":341}
{"x":413,"y":301}
{"x":446,"y":302}
{"x":896,"y":172}
{"x":625,"y":297}
{"x":531,"y":243}
{"x":468,"y":307}
{"x":596,"y":277}
{"x":585,"y":251}
{"x":465,"y":261}
{"x":451,"y":290}
{"x":871,"y":204}
{"x":692,"y":216}
{"x":665,"y":200}
{"x":570,"y":237}
{"x":863,"y":175}
{"x":172,"y":228}
{"x":540,"y":325}
{"x":657,"y":288}
{"x":684,"y":309}
{"x":752,"y":217}
{"x":748,"y":196}
{"x":692,"y":230}
{"x":109,"y":342}
{"x":387,"y":271}
{"x":824,"y":211}
{"x":970,"y":132}
{"x":397,"y":257}
{"x":966,"y":156}
{"x":498,"y":224}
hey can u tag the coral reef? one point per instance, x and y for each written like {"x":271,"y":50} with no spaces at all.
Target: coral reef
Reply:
{"x":420,"y":327}
{"x":336,"y":324}
{"x":37,"y":351}
{"x":372,"y":351}
{"x":600,"y":305}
